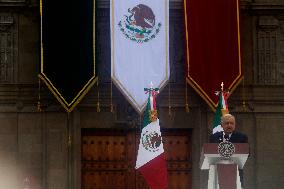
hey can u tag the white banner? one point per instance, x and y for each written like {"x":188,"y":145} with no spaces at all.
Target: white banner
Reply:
{"x":139,"y":47}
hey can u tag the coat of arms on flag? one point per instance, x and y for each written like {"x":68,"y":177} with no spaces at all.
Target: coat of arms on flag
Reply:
{"x":151,"y":162}
{"x":139,"y":47}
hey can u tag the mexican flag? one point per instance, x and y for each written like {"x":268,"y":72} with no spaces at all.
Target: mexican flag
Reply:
{"x":222,"y":109}
{"x":151,"y":162}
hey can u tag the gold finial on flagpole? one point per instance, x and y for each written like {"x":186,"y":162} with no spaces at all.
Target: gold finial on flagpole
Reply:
{"x":224,"y":94}
{"x":151,"y":85}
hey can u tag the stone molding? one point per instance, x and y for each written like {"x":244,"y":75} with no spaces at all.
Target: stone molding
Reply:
{"x":174,"y":4}
{"x":13,"y":3}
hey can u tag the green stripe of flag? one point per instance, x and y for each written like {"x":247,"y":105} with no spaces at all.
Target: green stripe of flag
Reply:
{"x":146,"y":119}
{"x":218,"y":113}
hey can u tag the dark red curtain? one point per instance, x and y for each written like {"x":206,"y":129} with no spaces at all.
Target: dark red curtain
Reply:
{"x":213,"y":46}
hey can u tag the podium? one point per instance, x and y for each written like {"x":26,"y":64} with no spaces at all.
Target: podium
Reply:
{"x":223,"y":172}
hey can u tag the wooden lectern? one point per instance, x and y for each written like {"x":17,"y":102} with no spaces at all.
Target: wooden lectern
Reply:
{"x":223,"y":172}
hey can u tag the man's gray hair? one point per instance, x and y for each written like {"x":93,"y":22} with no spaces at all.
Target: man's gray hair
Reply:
{"x":226,"y":116}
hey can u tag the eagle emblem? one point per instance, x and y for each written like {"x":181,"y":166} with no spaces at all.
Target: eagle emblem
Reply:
{"x":139,"y":24}
{"x":151,"y":141}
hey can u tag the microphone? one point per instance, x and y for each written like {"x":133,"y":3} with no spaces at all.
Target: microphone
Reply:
{"x":226,"y":137}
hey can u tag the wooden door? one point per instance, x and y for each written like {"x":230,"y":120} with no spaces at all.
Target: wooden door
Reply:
{"x":108,"y":159}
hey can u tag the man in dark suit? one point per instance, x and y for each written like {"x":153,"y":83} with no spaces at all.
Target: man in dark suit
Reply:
{"x":228,"y":124}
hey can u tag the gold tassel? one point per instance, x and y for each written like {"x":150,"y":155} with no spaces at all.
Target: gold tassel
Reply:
{"x":98,"y":96}
{"x":186,"y":108}
{"x":98,"y":107}
{"x":69,"y":142}
{"x":244,"y":106}
{"x":186,"y":99}
{"x":39,"y":109}
{"x":170,"y":111}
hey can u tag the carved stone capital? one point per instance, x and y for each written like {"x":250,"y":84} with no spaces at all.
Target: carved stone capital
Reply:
{"x":268,"y":22}
{"x":6,"y":22}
